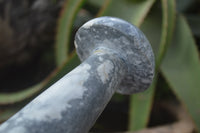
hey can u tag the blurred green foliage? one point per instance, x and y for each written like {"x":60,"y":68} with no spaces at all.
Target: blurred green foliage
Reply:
{"x":172,"y":28}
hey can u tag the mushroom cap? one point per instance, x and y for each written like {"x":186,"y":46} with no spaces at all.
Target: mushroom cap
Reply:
{"x":126,"y":40}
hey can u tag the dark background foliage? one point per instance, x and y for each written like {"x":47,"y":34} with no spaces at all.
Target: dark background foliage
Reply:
{"x":36,"y":49}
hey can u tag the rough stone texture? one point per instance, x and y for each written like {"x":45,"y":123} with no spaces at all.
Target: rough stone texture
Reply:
{"x":73,"y":103}
{"x":116,"y":55}
{"x":127,"y":41}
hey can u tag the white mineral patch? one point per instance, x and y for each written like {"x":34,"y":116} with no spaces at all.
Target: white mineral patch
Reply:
{"x":55,"y":100}
{"x":79,"y":38}
{"x":89,"y":24}
{"x":100,"y":58}
{"x":76,"y":46}
{"x":104,"y":70}
{"x":117,"y":20}
{"x":107,"y":42}
{"x":3,"y":126}
{"x":17,"y":130}
{"x":110,"y":23}
{"x":114,"y":20}
{"x":137,"y":62}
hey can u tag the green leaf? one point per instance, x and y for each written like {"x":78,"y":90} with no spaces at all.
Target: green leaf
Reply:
{"x":168,"y":7}
{"x":194,"y":22}
{"x":64,"y":30}
{"x":134,"y":12}
{"x":181,"y":68}
{"x":142,"y":103}
{"x":153,"y":24}
{"x":97,"y":3}
{"x":140,"y":108}
{"x":10,"y":98}
{"x":104,"y":6}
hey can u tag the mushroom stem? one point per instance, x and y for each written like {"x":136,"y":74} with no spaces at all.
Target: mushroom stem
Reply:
{"x":112,"y":61}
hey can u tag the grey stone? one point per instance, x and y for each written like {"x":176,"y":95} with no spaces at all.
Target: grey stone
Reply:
{"x":116,"y":57}
{"x":127,"y":41}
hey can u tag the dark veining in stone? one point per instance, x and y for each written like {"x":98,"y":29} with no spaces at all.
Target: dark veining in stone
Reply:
{"x":128,"y":41}
{"x":116,"y":57}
